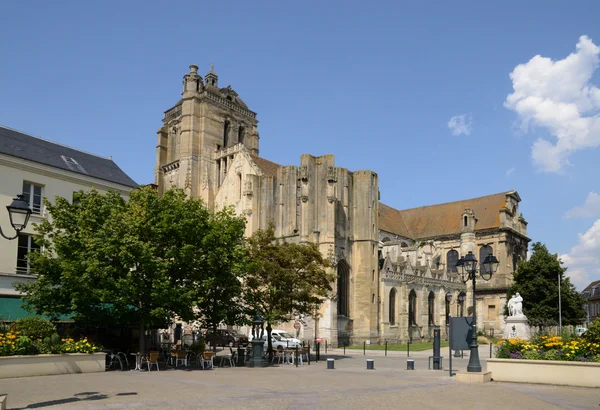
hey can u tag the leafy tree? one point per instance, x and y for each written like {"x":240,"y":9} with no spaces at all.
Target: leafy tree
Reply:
{"x":219,"y":285}
{"x":108,"y":260}
{"x":284,"y":279}
{"x":537,"y":282}
{"x":592,"y":335}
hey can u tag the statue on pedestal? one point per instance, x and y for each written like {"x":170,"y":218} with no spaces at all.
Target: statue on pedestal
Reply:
{"x":515,"y":306}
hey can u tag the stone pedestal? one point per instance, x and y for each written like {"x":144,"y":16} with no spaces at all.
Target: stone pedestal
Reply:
{"x":474,"y":377}
{"x":517,"y":326}
{"x":257,"y":359}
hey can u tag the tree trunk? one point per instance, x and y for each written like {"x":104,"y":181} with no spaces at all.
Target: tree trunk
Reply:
{"x":269,"y":342}
{"x":142,"y":332}
{"x":214,"y":338}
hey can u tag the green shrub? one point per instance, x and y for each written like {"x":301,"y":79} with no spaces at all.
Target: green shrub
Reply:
{"x":593,"y":333}
{"x":595,"y":358}
{"x":532,"y":355}
{"x":35,"y":327}
{"x":552,"y":354}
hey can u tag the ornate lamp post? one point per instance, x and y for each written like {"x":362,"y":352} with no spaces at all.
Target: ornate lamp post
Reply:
{"x":258,"y":331}
{"x":18,"y":213}
{"x":467,"y":269}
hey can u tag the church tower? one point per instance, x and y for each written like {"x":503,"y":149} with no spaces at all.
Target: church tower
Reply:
{"x":200,"y":135}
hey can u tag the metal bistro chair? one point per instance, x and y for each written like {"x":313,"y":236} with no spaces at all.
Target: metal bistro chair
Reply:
{"x":153,"y":360}
{"x":207,"y":360}
{"x":228,"y":358}
{"x":180,"y":357}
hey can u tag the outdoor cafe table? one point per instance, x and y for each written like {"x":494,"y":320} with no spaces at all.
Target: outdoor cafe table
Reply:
{"x":138,"y":360}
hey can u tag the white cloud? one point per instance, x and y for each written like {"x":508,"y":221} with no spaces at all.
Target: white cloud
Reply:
{"x":558,"y":97}
{"x":461,"y":124}
{"x":509,"y":171}
{"x":584,"y":257}
{"x":590,"y":208}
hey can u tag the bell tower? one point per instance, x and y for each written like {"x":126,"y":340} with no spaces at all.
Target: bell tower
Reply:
{"x":200,"y":135}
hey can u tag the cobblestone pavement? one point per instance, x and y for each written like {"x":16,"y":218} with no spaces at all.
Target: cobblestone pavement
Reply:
{"x":349,"y":386}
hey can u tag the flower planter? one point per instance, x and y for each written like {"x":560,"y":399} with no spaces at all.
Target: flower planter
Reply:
{"x":49,"y":364}
{"x":562,"y":373}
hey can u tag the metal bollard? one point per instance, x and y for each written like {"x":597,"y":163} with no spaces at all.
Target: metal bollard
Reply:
{"x":370,"y":364}
{"x":386,"y":347}
{"x":410,"y":364}
{"x":330,"y":364}
{"x":297,"y":357}
{"x":325,"y":346}
{"x":364,"y":348}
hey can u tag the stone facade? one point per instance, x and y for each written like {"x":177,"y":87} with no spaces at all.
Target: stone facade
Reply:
{"x":209,"y":146}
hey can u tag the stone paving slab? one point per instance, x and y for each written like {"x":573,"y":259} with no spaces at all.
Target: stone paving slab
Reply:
{"x":349,"y":386}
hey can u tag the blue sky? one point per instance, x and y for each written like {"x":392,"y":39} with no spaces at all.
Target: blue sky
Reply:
{"x":376,"y":83}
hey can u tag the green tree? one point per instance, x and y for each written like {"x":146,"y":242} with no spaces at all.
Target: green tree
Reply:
{"x":108,"y":260}
{"x":537,"y":282}
{"x":284,"y":279}
{"x":219,"y":286}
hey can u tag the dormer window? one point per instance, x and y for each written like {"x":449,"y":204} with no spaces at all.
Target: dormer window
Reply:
{"x":73,"y":164}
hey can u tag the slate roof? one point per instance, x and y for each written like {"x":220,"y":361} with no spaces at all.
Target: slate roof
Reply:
{"x":441,"y":219}
{"x":18,"y":144}
{"x":591,"y":285}
{"x":267,"y":167}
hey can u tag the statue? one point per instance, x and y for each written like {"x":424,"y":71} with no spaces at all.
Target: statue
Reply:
{"x":515,"y":306}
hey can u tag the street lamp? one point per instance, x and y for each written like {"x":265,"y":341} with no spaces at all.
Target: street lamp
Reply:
{"x":18,"y":213}
{"x":467,"y":269}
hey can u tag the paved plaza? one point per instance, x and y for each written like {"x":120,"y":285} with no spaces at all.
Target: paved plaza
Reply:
{"x":348,"y":386}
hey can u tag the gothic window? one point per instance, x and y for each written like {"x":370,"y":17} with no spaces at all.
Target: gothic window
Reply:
{"x":404,"y":245}
{"x":343,"y":288}
{"x":386,"y":239}
{"x":412,"y":308}
{"x":465,"y":220}
{"x":226,"y":127}
{"x":451,"y":259}
{"x":484,"y":252}
{"x":240,"y":186}
{"x":515,"y":260}
{"x":431,"y":309}
{"x":393,"y":306}
{"x":448,"y":298}
{"x":241,"y":135}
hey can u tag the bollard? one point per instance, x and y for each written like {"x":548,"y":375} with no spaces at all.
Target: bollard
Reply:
{"x":330,"y":364}
{"x":437,"y":360}
{"x":325,"y":346}
{"x":370,"y":364}
{"x":386,"y":347}
{"x":491,"y":345}
{"x":318,"y":349}
{"x":408,"y":349}
{"x":364,"y":348}
{"x":308,"y":355}
{"x":297,"y":357}
{"x":410,"y":364}
{"x":344,"y":348}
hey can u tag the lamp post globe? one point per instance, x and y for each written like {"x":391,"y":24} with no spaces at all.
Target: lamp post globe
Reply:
{"x":18,"y":214}
{"x":467,"y":269}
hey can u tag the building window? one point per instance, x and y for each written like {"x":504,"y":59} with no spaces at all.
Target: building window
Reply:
{"x":412,"y":308}
{"x":226,"y":127}
{"x":241,"y":135}
{"x":431,"y":309}
{"x":451,"y":259}
{"x":484,"y":252}
{"x":32,"y":193}
{"x":26,"y":244}
{"x":343,"y":288}
{"x":393,"y":306}
{"x":240,"y":185}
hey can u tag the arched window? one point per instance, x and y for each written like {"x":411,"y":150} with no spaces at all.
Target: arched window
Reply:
{"x":241,"y":135}
{"x":226,"y":128}
{"x":431,"y":309}
{"x":461,"y":304}
{"x":386,"y":239}
{"x":343,"y":288}
{"x":451,"y":259}
{"x":393,"y":306}
{"x":412,"y":308}
{"x":465,"y":220}
{"x":484,"y":252}
{"x":404,"y":245}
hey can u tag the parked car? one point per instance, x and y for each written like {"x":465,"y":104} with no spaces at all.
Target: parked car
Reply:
{"x":281,"y":340}
{"x":580,"y":331}
{"x":224,"y":337}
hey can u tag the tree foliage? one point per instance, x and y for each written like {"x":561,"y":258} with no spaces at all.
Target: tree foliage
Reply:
{"x":108,"y":260}
{"x":537,"y":282}
{"x":284,"y":279}
{"x":219,"y":286}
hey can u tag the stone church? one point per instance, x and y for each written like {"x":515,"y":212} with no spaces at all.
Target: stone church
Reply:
{"x":396,"y":268}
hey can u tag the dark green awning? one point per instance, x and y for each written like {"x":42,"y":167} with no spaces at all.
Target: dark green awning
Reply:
{"x":11,"y":310}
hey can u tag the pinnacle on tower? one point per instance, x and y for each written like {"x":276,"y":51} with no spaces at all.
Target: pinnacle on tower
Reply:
{"x":212,"y":79}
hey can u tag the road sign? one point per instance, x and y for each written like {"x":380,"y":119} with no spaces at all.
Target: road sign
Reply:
{"x":319,"y":340}
{"x":297,"y":325}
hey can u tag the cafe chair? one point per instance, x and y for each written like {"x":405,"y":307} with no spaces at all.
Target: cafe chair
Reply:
{"x":153,"y":360}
